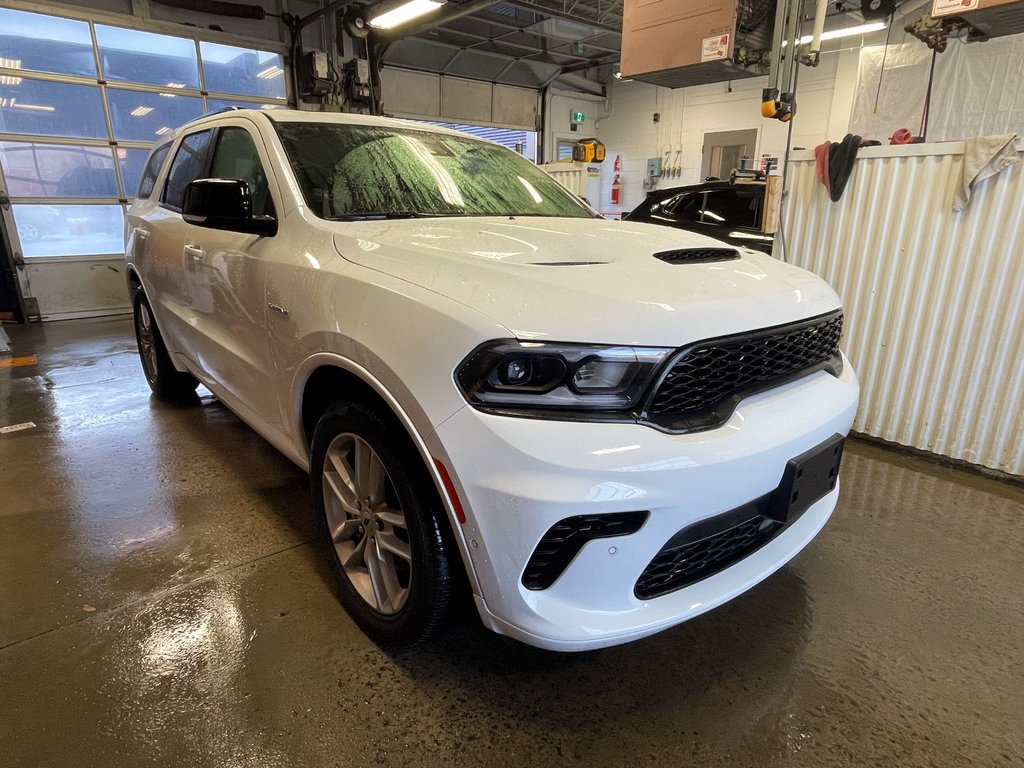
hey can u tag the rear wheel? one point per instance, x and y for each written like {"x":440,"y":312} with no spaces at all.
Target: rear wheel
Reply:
{"x":382,"y":525}
{"x":166,"y":382}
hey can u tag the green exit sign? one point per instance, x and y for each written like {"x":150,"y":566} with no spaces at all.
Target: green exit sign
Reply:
{"x":577,"y":117}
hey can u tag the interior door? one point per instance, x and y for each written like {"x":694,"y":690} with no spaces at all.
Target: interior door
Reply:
{"x":226,"y":274}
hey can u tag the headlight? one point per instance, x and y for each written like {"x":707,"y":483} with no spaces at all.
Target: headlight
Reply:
{"x":509,"y":375}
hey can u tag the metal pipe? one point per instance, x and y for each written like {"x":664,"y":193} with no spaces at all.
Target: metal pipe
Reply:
{"x":819,"y":27}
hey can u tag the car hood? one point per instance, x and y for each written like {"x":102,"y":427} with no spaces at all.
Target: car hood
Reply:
{"x":586,"y":280}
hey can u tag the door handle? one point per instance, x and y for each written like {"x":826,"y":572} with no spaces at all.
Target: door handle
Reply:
{"x":142,"y":234}
{"x":193,"y":252}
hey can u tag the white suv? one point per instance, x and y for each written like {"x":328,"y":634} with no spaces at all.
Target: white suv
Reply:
{"x":599,"y":429}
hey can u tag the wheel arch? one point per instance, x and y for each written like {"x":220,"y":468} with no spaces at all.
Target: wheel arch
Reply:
{"x":325,"y":378}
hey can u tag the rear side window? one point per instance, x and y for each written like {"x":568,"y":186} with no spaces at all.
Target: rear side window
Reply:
{"x":149,"y":173}
{"x":737,"y":207}
{"x":686,"y":207}
{"x":185,"y":169}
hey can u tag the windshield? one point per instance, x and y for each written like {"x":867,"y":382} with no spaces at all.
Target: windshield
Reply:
{"x":361,"y":171}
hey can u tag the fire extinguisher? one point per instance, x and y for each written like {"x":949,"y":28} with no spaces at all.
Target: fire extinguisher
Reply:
{"x":616,"y":190}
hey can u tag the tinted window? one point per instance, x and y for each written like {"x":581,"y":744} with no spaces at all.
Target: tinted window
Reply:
{"x":149,"y":175}
{"x":350,"y":170}
{"x":236,"y":158}
{"x":187,"y":166}
{"x":686,"y":207}
{"x":737,"y":207}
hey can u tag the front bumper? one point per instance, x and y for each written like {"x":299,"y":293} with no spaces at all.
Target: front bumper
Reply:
{"x":518,"y":477}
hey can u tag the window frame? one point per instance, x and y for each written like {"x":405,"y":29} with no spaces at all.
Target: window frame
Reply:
{"x":204,"y":165}
{"x":158,"y":171}
{"x":261,"y":155}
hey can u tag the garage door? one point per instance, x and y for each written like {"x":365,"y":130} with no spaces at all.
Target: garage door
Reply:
{"x":81,"y":105}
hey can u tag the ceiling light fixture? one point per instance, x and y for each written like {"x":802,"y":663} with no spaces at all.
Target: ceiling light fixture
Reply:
{"x":141,"y":111}
{"x":37,"y":107}
{"x":835,"y":34}
{"x":404,"y":12}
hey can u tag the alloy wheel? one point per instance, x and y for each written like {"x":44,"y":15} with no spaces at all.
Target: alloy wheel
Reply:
{"x":366,"y":523}
{"x":146,"y":344}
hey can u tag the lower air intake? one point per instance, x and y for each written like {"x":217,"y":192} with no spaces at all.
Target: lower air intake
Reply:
{"x":566,"y":538}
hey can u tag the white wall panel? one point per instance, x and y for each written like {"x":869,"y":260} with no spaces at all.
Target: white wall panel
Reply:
{"x":934,"y":300}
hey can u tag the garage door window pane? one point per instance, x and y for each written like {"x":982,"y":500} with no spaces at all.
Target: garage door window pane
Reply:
{"x":243,"y":70}
{"x":69,"y":230}
{"x":144,"y":57}
{"x":139,"y":116}
{"x":48,"y":170}
{"x":52,"y":109}
{"x":45,"y":43}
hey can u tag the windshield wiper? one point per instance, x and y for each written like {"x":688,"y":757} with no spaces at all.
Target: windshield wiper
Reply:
{"x":370,"y":215}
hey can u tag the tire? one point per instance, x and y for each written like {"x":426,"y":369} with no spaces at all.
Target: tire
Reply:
{"x":166,"y":382}
{"x":389,"y":546}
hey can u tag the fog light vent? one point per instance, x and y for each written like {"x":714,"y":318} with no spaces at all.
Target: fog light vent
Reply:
{"x":566,"y":538}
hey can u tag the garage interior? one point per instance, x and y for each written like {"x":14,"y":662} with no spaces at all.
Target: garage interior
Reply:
{"x":162,"y":598}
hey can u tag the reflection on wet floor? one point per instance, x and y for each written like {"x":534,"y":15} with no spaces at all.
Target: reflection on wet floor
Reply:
{"x":161,"y":603}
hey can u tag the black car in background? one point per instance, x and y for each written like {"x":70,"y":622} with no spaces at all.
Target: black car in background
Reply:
{"x":719,"y":209}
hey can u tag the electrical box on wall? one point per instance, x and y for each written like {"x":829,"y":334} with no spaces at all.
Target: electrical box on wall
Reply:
{"x":314,"y":75}
{"x":654,"y":167}
{"x":677,"y":43}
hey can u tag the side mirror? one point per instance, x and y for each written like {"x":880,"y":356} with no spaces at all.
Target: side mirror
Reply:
{"x":224,"y":204}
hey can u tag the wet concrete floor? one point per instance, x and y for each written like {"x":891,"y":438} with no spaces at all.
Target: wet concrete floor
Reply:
{"x":161,"y":604}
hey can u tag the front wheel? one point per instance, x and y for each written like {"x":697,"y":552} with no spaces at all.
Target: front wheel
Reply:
{"x":163,"y":378}
{"x":382,"y":525}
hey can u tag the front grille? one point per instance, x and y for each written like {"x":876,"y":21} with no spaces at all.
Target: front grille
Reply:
{"x":566,"y":538}
{"x":708,"y":379}
{"x":682,"y":562}
{"x":697,"y":255}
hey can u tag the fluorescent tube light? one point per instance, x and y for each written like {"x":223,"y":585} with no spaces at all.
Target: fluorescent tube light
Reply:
{"x":835,"y":34}
{"x":405,"y":12}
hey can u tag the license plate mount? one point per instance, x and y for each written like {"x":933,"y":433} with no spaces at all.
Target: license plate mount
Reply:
{"x":808,"y":477}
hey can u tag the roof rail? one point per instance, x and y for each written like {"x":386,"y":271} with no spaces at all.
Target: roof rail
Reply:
{"x":222,"y":109}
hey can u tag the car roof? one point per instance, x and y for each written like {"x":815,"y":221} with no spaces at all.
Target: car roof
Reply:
{"x":706,"y":186}
{"x":303,"y":116}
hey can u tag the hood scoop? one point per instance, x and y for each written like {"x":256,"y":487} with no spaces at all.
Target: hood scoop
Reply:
{"x":697,"y":255}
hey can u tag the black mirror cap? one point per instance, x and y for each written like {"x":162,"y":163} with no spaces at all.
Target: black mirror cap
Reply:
{"x":224,"y":204}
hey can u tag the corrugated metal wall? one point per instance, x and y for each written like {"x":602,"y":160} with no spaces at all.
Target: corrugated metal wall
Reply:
{"x":934,"y":299}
